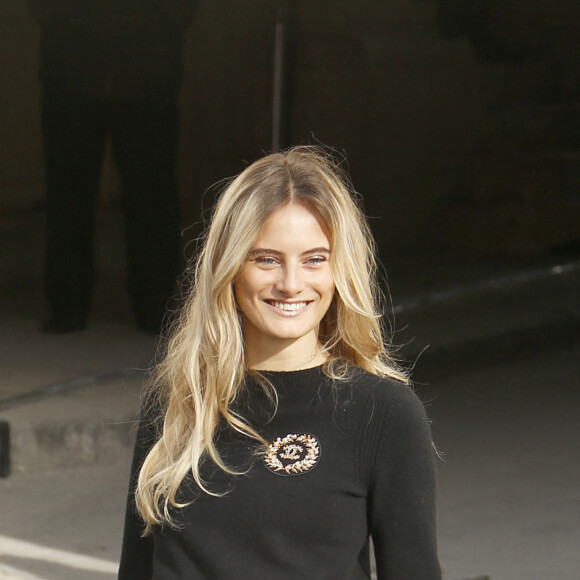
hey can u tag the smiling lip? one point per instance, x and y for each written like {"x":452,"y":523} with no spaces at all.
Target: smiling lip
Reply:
{"x":288,"y":308}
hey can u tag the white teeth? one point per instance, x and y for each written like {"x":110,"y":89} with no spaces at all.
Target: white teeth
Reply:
{"x":289,"y":306}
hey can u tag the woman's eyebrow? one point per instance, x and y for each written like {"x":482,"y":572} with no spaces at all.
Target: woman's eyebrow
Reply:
{"x":321,"y":250}
{"x":264,"y":252}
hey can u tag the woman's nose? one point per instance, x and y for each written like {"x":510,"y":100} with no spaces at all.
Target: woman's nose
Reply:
{"x":291,"y":280}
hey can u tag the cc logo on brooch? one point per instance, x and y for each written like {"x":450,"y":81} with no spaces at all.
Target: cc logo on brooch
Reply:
{"x":294,"y":454}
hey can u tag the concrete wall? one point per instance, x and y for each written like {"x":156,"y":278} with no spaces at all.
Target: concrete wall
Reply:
{"x":448,"y":148}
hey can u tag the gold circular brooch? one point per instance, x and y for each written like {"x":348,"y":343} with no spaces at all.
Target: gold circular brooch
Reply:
{"x":293,"y":454}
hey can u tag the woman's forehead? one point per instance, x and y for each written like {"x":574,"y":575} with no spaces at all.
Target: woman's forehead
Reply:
{"x":293,"y":225}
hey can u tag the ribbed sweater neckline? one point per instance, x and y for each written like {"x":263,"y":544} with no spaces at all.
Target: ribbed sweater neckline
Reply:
{"x":290,"y":384}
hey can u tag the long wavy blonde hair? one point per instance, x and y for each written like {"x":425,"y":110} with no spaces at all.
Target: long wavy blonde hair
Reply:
{"x":203,"y":369}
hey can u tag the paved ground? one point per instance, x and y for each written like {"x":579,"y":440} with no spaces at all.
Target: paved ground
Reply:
{"x":509,"y":501}
{"x":64,"y":523}
{"x":500,"y":375}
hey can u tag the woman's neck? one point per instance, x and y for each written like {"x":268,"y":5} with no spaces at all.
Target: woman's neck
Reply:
{"x":294,"y":356}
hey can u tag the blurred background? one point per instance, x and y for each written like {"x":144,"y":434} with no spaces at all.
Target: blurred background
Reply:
{"x":460,"y":124}
{"x":460,"y":119}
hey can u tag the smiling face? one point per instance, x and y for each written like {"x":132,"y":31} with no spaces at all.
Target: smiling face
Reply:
{"x":284,"y":289}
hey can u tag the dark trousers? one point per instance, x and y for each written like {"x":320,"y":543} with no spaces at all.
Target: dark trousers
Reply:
{"x":144,"y":135}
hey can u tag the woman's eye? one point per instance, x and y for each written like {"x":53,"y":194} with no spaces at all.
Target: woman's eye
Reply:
{"x":316,"y":260}
{"x":265,"y":260}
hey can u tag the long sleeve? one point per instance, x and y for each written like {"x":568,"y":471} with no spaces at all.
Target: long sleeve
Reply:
{"x":137,"y":551}
{"x":402,"y":492}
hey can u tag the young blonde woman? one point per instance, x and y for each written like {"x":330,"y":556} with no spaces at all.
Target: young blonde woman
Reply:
{"x":279,"y":436}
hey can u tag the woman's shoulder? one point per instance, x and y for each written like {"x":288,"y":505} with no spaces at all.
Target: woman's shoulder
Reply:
{"x":384,"y":400}
{"x":376,"y":387}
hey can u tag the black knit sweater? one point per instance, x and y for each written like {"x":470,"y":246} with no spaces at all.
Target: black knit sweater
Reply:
{"x":348,"y":460}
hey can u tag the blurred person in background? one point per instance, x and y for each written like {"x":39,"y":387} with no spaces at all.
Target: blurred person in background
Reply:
{"x":110,"y":69}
